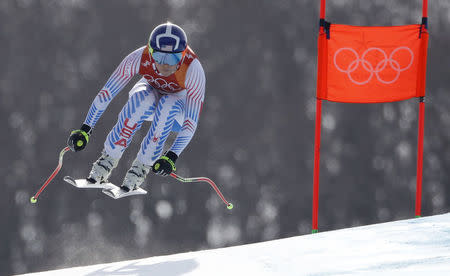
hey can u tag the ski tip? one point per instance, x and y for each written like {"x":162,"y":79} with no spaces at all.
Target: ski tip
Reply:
{"x":110,"y":193}
{"x":33,"y":199}
{"x":69,"y":179}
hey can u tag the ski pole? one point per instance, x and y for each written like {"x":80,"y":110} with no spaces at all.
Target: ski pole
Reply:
{"x":204,"y":179}
{"x":34,"y":198}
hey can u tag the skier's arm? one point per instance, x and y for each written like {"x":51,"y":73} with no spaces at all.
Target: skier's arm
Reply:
{"x":118,"y":80}
{"x":195,"y":85}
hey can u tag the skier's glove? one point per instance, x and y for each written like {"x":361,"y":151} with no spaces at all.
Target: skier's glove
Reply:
{"x":166,"y":164}
{"x":79,"y":138}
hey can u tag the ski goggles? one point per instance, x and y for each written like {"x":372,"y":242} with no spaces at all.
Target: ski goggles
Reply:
{"x":166,"y":58}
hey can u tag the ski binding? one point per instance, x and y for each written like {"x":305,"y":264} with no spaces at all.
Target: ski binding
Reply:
{"x":116,"y":193}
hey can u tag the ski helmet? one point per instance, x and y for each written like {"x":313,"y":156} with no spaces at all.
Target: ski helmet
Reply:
{"x":168,"y":38}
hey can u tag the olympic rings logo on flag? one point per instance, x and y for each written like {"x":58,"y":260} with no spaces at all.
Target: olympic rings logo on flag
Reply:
{"x":371,"y":69}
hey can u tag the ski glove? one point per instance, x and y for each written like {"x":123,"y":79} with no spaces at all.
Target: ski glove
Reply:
{"x":166,"y":164}
{"x":79,"y":138}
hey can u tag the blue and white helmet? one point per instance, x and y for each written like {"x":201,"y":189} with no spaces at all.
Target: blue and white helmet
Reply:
{"x":168,"y":38}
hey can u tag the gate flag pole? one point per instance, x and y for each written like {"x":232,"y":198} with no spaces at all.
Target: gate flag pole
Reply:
{"x":420,"y":157}
{"x":421,"y":126}
{"x":318,"y":126}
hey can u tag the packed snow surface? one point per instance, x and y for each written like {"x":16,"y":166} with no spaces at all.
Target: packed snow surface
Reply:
{"x":409,"y":247}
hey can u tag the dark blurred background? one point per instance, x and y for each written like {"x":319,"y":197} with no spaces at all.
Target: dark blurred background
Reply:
{"x":255,"y":137}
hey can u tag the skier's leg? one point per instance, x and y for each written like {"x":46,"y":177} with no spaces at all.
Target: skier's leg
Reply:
{"x":139,"y":107}
{"x":169,"y":106}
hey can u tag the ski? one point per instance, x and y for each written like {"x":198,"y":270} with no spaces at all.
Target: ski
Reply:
{"x":107,"y":188}
{"x":84,"y":184}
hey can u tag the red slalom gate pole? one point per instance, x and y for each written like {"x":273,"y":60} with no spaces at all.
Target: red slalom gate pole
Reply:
{"x":420,"y":156}
{"x":425,"y":8}
{"x":420,"y":136}
{"x":315,"y":224}
{"x":315,"y":212}
{"x":207,"y":180}
{"x":34,"y":198}
{"x":322,"y":8}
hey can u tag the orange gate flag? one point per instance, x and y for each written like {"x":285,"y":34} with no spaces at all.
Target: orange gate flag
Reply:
{"x":372,"y":64}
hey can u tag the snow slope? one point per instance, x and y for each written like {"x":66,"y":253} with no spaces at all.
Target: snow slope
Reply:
{"x":410,"y":247}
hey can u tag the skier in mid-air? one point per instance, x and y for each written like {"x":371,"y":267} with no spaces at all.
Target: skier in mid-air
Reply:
{"x":170,"y":94}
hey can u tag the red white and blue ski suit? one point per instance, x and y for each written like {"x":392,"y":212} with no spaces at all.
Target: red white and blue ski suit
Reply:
{"x":173,"y":103}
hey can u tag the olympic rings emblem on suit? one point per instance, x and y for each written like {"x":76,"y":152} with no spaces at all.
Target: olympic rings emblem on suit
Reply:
{"x":374,"y":70}
{"x":162,"y":84}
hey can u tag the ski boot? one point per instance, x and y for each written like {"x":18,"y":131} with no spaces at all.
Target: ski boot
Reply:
{"x":135,"y":176}
{"x":101,"y":169}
